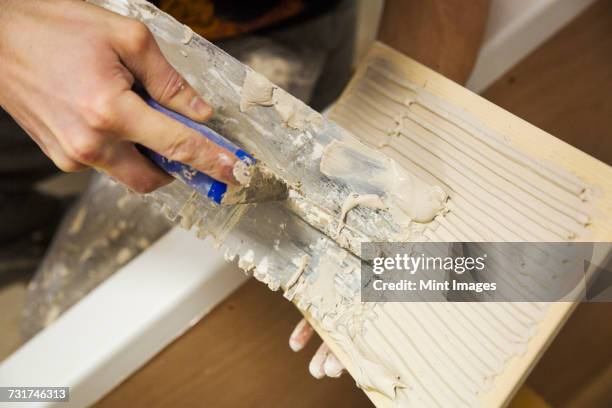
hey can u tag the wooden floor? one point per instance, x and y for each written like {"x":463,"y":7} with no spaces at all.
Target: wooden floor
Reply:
{"x":238,"y":355}
{"x":565,"y":86}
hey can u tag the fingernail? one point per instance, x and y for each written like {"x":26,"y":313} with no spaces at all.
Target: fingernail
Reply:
{"x":316,"y":369}
{"x":242,"y":172}
{"x":295,"y":344}
{"x":332,"y":366}
{"x":299,"y":336}
{"x":200,"y":107}
{"x":225,"y":166}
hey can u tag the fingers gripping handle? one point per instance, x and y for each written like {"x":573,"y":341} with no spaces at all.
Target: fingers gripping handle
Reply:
{"x":206,"y":185}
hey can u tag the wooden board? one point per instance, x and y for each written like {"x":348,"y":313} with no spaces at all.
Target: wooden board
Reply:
{"x":582,"y":185}
{"x":518,"y":134}
{"x":521,"y":97}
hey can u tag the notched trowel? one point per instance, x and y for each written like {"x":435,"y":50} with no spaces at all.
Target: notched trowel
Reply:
{"x":281,"y":242}
{"x":261,"y":184}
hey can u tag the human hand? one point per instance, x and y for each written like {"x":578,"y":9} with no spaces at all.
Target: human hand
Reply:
{"x":66,"y":77}
{"x":324,"y":362}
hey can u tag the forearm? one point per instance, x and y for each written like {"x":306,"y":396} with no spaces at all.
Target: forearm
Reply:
{"x":445,"y":35}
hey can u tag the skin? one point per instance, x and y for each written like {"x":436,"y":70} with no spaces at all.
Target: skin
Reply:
{"x":444,"y":35}
{"x":77,"y":104}
{"x":68,"y":84}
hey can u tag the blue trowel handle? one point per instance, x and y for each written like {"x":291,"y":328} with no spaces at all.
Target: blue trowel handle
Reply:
{"x":205,"y":184}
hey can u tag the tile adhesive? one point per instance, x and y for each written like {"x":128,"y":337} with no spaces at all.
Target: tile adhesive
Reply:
{"x":456,"y":182}
{"x":428,"y":172}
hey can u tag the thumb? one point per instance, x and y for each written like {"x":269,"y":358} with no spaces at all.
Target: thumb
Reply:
{"x":142,"y":56}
